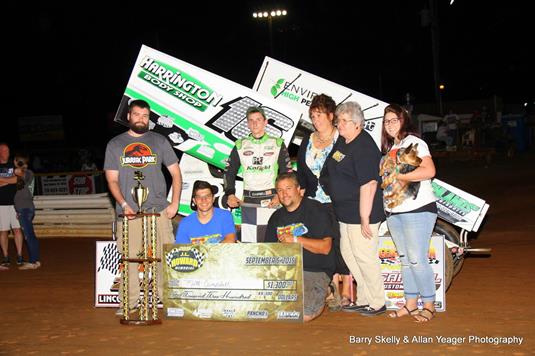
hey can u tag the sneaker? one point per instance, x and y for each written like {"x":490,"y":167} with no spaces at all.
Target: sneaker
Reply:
{"x":369,"y":311}
{"x":29,"y":265}
{"x":6,"y":262}
{"x":20,"y":261}
{"x":354,"y":307}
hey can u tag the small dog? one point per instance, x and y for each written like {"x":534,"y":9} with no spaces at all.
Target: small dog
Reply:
{"x":403,"y":161}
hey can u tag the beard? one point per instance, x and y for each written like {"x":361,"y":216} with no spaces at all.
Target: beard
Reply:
{"x":138,"y":127}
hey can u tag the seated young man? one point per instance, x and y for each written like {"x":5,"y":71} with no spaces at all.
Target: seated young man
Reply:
{"x":207,"y":224}
{"x":305,"y":221}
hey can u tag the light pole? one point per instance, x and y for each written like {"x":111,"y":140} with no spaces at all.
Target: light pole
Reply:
{"x":269,"y":15}
{"x":429,"y":17}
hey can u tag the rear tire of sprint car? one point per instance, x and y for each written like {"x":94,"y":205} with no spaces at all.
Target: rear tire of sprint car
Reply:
{"x":450,"y":234}
{"x":448,"y":268}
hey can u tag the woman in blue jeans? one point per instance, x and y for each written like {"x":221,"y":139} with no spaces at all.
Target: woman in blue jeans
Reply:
{"x":410,"y":220}
{"x":26,"y":210}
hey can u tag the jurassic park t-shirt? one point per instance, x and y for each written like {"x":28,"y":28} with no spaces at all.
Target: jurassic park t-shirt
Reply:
{"x":148,"y":154}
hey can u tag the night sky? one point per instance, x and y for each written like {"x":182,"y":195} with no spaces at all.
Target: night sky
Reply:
{"x":76,"y":61}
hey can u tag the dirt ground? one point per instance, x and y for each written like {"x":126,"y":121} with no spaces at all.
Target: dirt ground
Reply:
{"x":50,"y":310}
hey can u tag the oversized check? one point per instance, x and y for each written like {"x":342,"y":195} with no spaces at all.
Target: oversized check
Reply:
{"x":245,"y":282}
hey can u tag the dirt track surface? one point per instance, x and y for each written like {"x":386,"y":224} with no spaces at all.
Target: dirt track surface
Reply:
{"x":50,"y":311}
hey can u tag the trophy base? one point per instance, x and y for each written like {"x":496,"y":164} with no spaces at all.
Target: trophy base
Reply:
{"x":138,"y":322}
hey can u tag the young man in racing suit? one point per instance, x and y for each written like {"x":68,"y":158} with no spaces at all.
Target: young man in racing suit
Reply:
{"x":262,"y":158}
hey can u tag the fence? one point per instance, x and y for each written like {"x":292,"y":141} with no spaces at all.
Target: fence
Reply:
{"x":88,"y":215}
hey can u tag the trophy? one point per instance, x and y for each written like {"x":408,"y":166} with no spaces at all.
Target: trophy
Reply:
{"x":148,"y":312}
{"x":139,"y":192}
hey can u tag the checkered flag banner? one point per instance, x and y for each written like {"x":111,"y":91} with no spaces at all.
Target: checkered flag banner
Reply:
{"x":199,"y":256}
{"x":110,"y":259}
{"x":254,"y":223}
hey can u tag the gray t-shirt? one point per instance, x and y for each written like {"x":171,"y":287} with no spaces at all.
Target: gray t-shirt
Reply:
{"x":24,"y":197}
{"x":147,"y":154}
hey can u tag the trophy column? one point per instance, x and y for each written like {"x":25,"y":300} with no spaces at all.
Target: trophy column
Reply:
{"x":148,"y":261}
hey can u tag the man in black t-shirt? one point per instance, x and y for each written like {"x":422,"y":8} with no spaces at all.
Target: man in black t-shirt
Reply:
{"x":8,"y":215}
{"x":305,"y":221}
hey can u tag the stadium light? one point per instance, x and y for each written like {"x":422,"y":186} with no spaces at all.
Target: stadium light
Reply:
{"x":269,"y":15}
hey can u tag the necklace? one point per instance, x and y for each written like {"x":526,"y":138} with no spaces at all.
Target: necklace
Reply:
{"x":325,"y":140}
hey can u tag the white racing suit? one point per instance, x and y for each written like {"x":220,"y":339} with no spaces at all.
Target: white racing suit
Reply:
{"x":261,"y":161}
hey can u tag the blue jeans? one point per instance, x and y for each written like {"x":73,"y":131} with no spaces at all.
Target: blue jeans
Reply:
{"x":25,"y":216}
{"x":411,"y":233}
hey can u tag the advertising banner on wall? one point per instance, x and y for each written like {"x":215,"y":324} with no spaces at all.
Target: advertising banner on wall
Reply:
{"x":234,"y":282}
{"x":67,"y":184}
{"x":201,"y":113}
{"x":391,"y":269}
{"x":290,"y":85}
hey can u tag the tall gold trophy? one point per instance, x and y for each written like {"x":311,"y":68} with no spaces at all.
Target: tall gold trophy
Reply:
{"x":148,"y":261}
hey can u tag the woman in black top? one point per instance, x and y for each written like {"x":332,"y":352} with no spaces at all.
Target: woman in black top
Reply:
{"x":353,"y":179}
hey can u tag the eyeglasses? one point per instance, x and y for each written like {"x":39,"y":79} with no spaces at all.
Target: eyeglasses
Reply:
{"x":338,"y":122}
{"x":391,"y":121}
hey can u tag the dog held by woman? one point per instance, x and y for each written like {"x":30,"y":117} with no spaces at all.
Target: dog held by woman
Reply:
{"x":403,"y":160}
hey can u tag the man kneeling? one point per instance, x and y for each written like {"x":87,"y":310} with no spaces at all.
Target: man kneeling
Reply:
{"x":307,"y":222}
{"x":207,"y":224}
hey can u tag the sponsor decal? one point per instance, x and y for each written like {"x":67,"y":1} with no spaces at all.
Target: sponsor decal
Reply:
{"x":185,"y":259}
{"x":203,"y":313}
{"x":108,"y":299}
{"x":176,"y":312}
{"x":267,"y":154}
{"x":138,"y":155}
{"x":288,"y":314}
{"x":292,"y":92}
{"x":248,"y":153}
{"x":179,"y":84}
{"x":453,"y":201}
{"x":257,"y":314}
{"x":338,"y":156}
{"x":229,"y":313}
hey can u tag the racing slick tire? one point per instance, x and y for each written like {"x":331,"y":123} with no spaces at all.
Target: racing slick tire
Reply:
{"x":450,"y":233}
